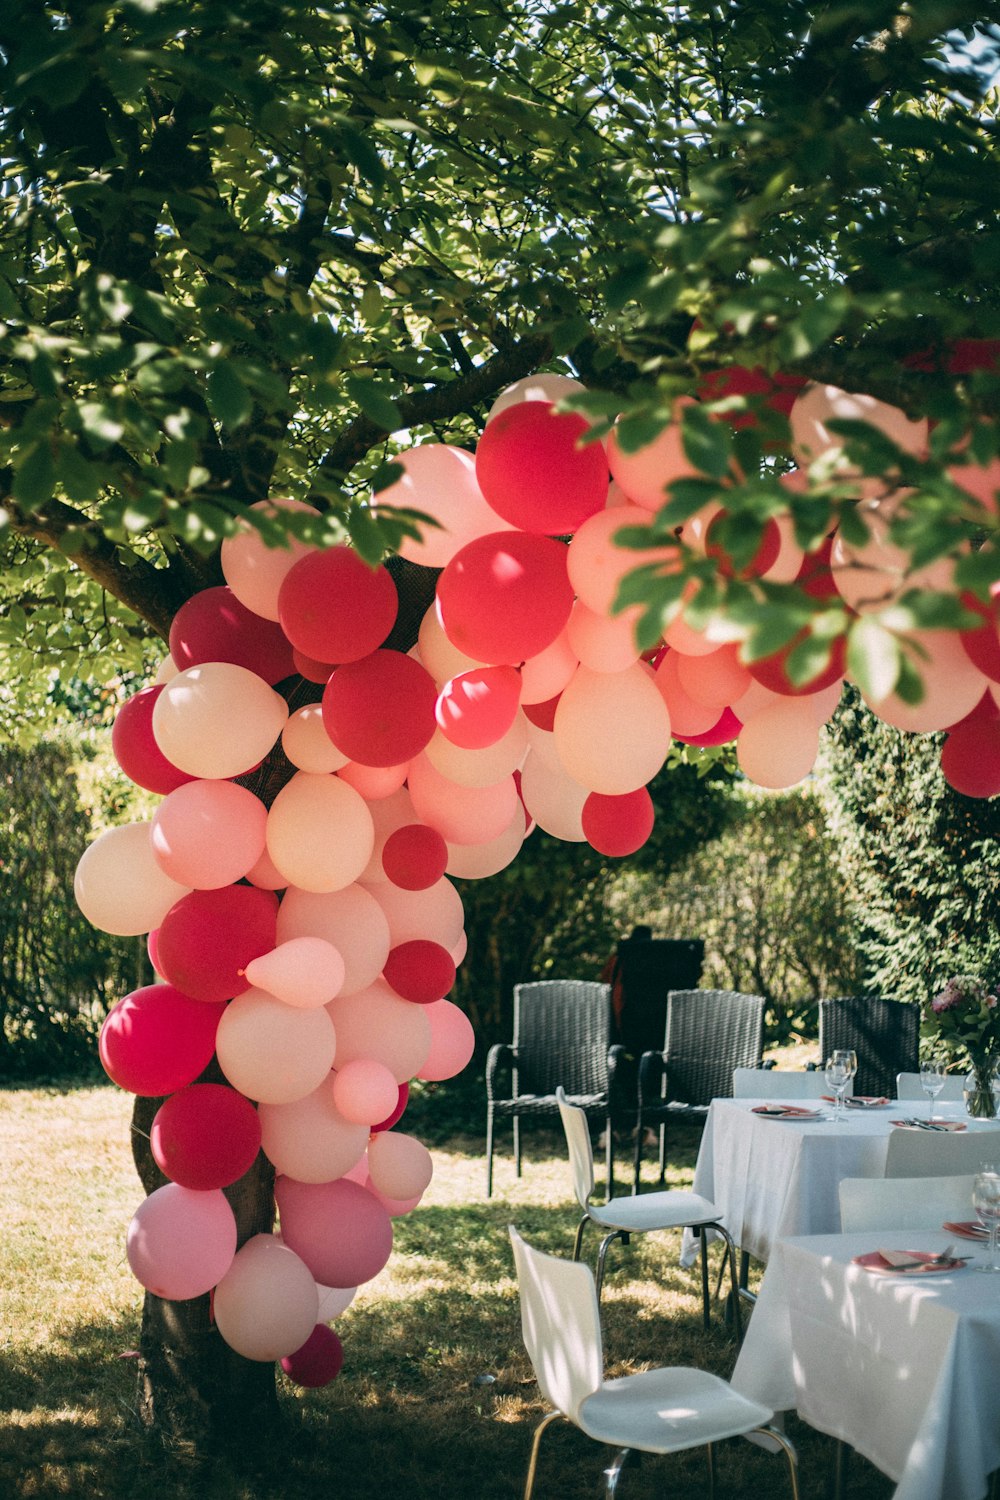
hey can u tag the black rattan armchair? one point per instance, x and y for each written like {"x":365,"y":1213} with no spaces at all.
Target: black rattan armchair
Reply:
{"x":562,"y":1036}
{"x":884,"y":1033}
{"x":708,"y":1034}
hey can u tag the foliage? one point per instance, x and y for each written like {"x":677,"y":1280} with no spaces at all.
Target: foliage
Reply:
{"x":921,"y":863}
{"x":963,"y":1020}
{"x":252,"y":249}
{"x":765,"y":897}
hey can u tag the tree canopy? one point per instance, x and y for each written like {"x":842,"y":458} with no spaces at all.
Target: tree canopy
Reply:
{"x":254,"y":250}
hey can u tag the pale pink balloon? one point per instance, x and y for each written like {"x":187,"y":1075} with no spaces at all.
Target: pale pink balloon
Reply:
{"x":181,"y":1242}
{"x":645,"y":474}
{"x":553,"y":799}
{"x":266,"y":875}
{"x":441,"y":482}
{"x":310,"y":1138}
{"x":304,"y":972}
{"x":341,"y":1231}
{"x":687,"y":715}
{"x":477,"y":861}
{"x":436,"y":652}
{"x":266,"y":1305}
{"x":541,"y":387}
{"x":435,"y":913}
{"x":874,"y":575}
{"x":825,"y":702}
{"x":351,"y":920}
{"x":272,"y":1052}
{"x":119,"y":884}
{"x":373,"y":783}
{"x":785,"y":568}
{"x":255,"y":571}
{"x":453,"y":1041}
{"x":217,"y":720}
{"x":471,"y":768}
{"x":333,"y":1300}
{"x":589,"y":723}
{"x":461,"y":814}
{"x":982,"y":482}
{"x":378,"y":1024}
{"x":684,"y":638}
{"x":208,"y":834}
{"x":458,"y":953}
{"x":952,"y":684}
{"x":758,"y":697}
{"x":778,"y":747}
{"x":319,"y":832}
{"x":715,"y":680}
{"x":166,"y":670}
{"x":604,"y":643}
{"x":388,"y":814}
{"x":819,"y":404}
{"x":306,"y":743}
{"x":399,"y":1165}
{"x":365,"y":1091}
{"x":542,"y":744}
{"x":597,"y":565}
{"x":544,"y":676}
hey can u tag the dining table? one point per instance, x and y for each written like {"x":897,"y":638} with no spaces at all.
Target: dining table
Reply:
{"x":901,"y":1366}
{"x":776,"y":1175}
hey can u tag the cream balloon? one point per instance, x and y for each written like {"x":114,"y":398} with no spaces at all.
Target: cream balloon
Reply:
{"x":476,"y":861}
{"x":166,"y":670}
{"x":333,"y":1300}
{"x":436,"y":913}
{"x":272,"y":1052}
{"x":542,"y":387}
{"x":544,"y":676}
{"x":255,"y":571}
{"x":208,"y":834}
{"x":480,"y":768}
{"x":305,"y":972}
{"x":952,"y":684}
{"x":320,"y":833}
{"x":688,"y":716}
{"x":440,"y":481}
{"x":542,"y":744}
{"x":310,"y":1139}
{"x":217,"y":720}
{"x":778,"y":747}
{"x":119,"y":885}
{"x":875,"y":574}
{"x":596,"y":564}
{"x":399,"y":1165}
{"x":388,"y":814}
{"x":589,"y":736}
{"x":461,"y":814}
{"x":306,"y":743}
{"x":350,"y":920}
{"x":437,"y":654}
{"x":267,"y":1303}
{"x":819,"y":404}
{"x":553,"y":799}
{"x":376,"y":1023}
{"x":645,"y":474}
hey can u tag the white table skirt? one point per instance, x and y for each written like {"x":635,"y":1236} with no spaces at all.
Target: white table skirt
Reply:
{"x":903,"y":1369}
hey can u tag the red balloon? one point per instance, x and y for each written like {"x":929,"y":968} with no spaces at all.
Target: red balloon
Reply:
{"x":543,"y":715}
{"x":814,"y":578}
{"x":765,"y":557}
{"x":214,"y":626}
{"x":618,"y":825}
{"x":380,"y":710}
{"x":420,"y":971}
{"x":397,"y":1114}
{"x":312,"y":671}
{"x":338,"y":1228}
{"x":982,"y":643}
{"x":476,"y":708}
{"x":505,"y":597}
{"x":534,"y":473}
{"x":334,"y":607}
{"x":415,"y":857}
{"x":722,"y":732}
{"x":778,"y":390}
{"x":156,"y":1040}
{"x":205,"y":1136}
{"x":135,"y":749}
{"x":207,"y":938}
{"x":970,"y":756}
{"x":319,"y":1361}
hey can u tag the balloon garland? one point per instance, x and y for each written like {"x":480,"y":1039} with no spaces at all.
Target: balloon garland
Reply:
{"x":309,"y":945}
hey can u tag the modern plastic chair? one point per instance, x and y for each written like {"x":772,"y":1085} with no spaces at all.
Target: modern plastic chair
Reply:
{"x":640,"y":1213}
{"x":940,"y":1153}
{"x":778,"y":1083}
{"x":904,"y":1202}
{"x":908,"y":1087}
{"x":667,"y":1410}
{"x":884,"y":1033}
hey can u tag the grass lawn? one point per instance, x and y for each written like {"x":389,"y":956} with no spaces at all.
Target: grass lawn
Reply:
{"x":436,"y":1397}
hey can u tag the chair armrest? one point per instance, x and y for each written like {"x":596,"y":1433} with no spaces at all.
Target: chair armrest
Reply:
{"x":494,"y":1058}
{"x":652,"y":1067}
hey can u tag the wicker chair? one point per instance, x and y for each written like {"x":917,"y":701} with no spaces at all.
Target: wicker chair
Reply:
{"x":884,"y":1033}
{"x":709,"y":1033}
{"x":562,"y":1035}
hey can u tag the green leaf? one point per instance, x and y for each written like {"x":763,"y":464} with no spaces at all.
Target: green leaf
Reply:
{"x":35,"y":478}
{"x":375,"y":402}
{"x":228,"y":398}
{"x":707,"y":443}
{"x":873,"y":657}
{"x":362,"y":154}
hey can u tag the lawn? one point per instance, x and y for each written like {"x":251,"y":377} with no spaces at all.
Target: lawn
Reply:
{"x":436,"y":1397}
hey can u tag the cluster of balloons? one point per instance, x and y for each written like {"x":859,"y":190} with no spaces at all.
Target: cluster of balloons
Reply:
{"x":308,"y":943}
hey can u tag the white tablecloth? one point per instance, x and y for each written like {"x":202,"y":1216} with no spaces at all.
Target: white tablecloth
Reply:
{"x":773,"y":1177}
{"x":904,"y":1369}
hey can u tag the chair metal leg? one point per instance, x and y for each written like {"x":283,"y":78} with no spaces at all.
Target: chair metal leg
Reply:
{"x":729,"y":1256}
{"x":637,"y":1156}
{"x":612,"y":1473}
{"x":517,"y":1146}
{"x":788,"y":1448}
{"x":710,"y":1465}
{"x":663,"y":1153}
{"x":617,"y":1234}
{"x":609,"y":1160}
{"x":745,"y":1293}
{"x":841,"y":1459}
{"x":529,"y":1483}
{"x":489,"y":1151}
{"x":703,"y":1252}
{"x":578,"y":1245}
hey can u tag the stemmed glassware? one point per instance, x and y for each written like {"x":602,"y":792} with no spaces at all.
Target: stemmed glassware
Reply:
{"x":986,"y":1201}
{"x":931,"y":1081}
{"x":841,"y":1067}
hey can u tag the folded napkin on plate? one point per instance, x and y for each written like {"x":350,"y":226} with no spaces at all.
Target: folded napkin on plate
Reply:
{"x":794,"y":1110}
{"x":900,"y":1260}
{"x":860,"y":1101}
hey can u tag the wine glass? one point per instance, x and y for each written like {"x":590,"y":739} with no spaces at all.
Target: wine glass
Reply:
{"x":841,"y":1067}
{"x":932,"y":1082}
{"x":986,"y":1201}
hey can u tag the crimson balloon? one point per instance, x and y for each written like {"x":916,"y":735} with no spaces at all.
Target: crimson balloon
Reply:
{"x":534,"y":471}
{"x":135,"y":748}
{"x":618,"y":825}
{"x":207,"y":938}
{"x":505,"y":597}
{"x":397,"y":1113}
{"x":319,"y":1361}
{"x":415,"y":857}
{"x":213,"y":625}
{"x":205,"y":1136}
{"x":333,"y":607}
{"x":420,"y":971}
{"x":380,"y":710}
{"x":157,"y":1040}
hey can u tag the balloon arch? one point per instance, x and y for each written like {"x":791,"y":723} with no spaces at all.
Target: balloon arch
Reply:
{"x":305,"y":938}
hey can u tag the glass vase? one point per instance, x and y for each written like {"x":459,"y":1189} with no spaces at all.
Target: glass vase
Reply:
{"x":980,"y":1100}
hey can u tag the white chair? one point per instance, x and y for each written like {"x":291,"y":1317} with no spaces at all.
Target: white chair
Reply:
{"x":667,"y":1410}
{"x":940,"y":1153}
{"x":908,"y":1087}
{"x":639,"y":1213}
{"x":778,"y":1083}
{"x":904,"y":1202}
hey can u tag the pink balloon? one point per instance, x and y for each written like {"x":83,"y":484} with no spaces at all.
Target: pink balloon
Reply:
{"x":478,"y":707}
{"x":311,"y":1139}
{"x":341,"y":1232}
{"x":414,"y":857}
{"x":205,"y":1136}
{"x":597,"y":564}
{"x":373,"y":782}
{"x":318,"y":1361}
{"x":505,"y":597}
{"x":952,"y":685}
{"x":272,"y":1052}
{"x":335,"y":608}
{"x":208,"y":834}
{"x":871,"y":576}
{"x":820,"y":404}
{"x":778,"y":747}
{"x":157,"y":1040}
{"x":265,"y":1306}
{"x":477,"y":861}
{"x":180,"y":1242}
{"x":365,"y":1091}
{"x":120,"y":886}
{"x":544,"y":676}
{"x":620,"y":825}
{"x":266,"y":875}
{"x":441,"y":482}
{"x":436,"y":913}
{"x":351,"y":920}
{"x":213,"y":625}
{"x":256,"y":571}
{"x":420,"y":971}
{"x":687,"y":714}
{"x":453,"y":1041}
{"x":217,"y":720}
{"x":461,"y":814}
{"x":715,"y":680}
{"x":319,"y":832}
{"x":399,"y":1165}
{"x":645,"y":474}
{"x":207,"y":939}
{"x":135,"y":747}
{"x":378,"y":1024}
{"x":604,"y":643}
{"x":553,"y":799}
{"x":535,"y":471}
{"x":304,"y":972}
{"x":588,"y":729}
{"x":380,"y":710}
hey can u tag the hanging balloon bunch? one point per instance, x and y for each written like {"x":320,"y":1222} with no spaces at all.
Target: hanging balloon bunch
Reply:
{"x":308,"y":945}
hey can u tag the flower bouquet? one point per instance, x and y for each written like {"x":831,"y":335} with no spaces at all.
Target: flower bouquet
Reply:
{"x":963,"y":1022}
